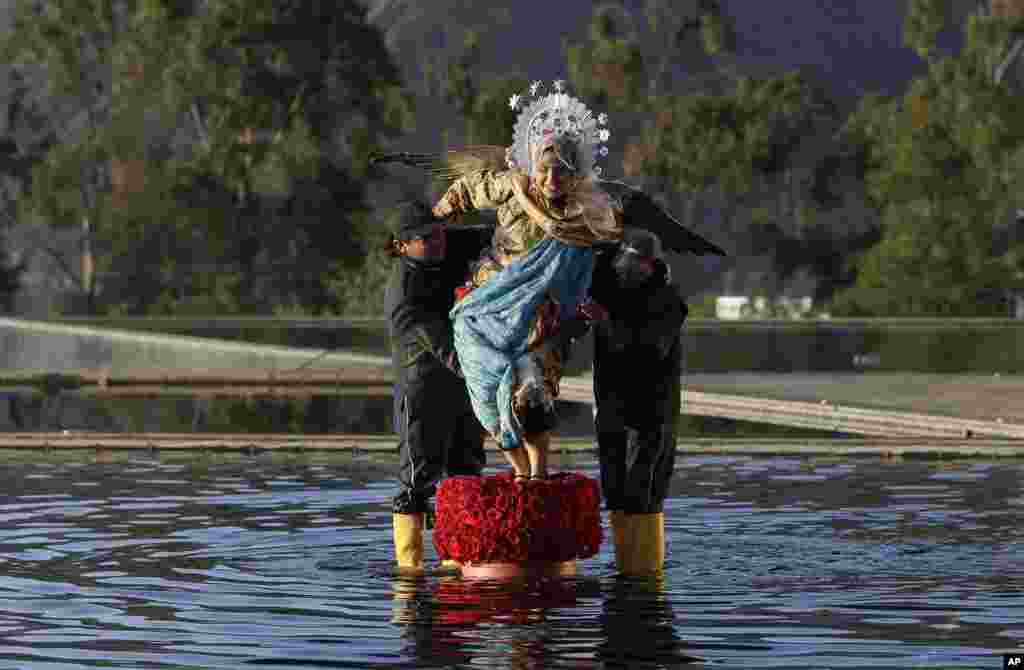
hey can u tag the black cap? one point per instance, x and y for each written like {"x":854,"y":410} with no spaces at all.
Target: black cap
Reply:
{"x":414,"y":220}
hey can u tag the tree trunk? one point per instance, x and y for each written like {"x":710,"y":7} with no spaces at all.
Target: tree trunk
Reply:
{"x":88,"y":267}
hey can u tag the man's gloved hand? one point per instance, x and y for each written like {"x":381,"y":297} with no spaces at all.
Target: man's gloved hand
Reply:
{"x":586,"y":314}
{"x":573,"y":329}
{"x":592,"y":311}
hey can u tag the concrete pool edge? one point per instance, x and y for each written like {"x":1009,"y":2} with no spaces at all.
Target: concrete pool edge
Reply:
{"x":285,"y":442}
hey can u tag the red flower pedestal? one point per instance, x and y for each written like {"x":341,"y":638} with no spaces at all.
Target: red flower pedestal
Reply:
{"x":498,"y":528}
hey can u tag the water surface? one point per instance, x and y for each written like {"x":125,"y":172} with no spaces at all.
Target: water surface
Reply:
{"x":222,"y":561}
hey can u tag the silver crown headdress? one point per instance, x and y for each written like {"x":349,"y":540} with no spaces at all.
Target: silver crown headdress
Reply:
{"x":553,"y":115}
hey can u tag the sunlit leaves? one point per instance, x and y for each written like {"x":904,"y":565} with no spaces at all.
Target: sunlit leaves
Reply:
{"x":942,"y":165}
{"x":57,"y":197}
{"x":717,"y":33}
{"x":924,"y":21}
{"x":237,"y":115}
{"x":608,"y":69}
{"x":728,"y":140}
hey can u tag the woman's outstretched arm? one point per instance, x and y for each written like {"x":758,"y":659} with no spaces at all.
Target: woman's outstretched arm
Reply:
{"x":481,"y":190}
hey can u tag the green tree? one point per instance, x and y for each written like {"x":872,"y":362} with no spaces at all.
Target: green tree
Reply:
{"x":229,"y":144}
{"x":708,"y":136}
{"x":427,"y":38}
{"x":10,"y":279}
{"x":72,"y":43}
{"x":729,"y":141}
{"x":940,"y":168}
{"x":608,"y":69}
{"x":626,"y":62}
{"x":924,"y":20}
{"x":742,"y":149}
{"x":481,"y":101}
{"x":692,"y":33}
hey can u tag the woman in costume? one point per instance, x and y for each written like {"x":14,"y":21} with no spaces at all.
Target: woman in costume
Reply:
{"x":554,"y":213}
{"x":551,"y":214}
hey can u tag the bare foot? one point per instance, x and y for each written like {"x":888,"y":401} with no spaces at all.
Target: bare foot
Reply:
{"x":537,"y":449}
{"x":519,"y":460}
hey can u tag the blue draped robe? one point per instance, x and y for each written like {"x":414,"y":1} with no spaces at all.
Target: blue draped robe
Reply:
{"x":492,"y":325}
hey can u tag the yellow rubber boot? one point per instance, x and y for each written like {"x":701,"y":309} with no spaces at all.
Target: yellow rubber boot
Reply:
{"x":620,"y":533}
{"x":408,"y":533}
{"x":645,"y":545}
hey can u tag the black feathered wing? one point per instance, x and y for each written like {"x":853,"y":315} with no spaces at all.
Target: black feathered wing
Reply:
{"x":640,"y":210}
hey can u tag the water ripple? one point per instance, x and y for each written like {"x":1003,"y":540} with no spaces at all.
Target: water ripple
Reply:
{"x":284,"y":563}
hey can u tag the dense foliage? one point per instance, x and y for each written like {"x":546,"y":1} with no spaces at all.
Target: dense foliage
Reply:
{"x":212,"y":156}
{"x":215,"y":153}
{"x":943,"y":165}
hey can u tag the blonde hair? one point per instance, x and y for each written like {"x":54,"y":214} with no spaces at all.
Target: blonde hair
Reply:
{"x":588,"y":216}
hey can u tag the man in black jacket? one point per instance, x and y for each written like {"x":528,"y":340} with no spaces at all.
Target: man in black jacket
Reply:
{"x":438,"y":431}
{"x":637,"y":387}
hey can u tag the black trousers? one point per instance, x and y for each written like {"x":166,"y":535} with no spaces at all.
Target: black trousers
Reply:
{"x":439,"y":435}
{"x":636,"y":412}
{"x":636,"y":468}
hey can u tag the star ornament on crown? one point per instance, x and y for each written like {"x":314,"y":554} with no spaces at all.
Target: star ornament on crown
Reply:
{"x":557,"y":114}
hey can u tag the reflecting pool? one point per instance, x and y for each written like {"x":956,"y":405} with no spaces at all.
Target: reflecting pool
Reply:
{"x":231,"y":561}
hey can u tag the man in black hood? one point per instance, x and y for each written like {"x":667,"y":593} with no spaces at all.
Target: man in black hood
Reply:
{"x":637,"y":387}
{"x":438,"y":431}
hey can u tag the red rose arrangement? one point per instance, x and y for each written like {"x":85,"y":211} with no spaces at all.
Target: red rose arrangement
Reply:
{"x":496,"y":519}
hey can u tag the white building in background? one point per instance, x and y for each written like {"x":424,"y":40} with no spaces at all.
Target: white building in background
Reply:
{"x":739,"y":307}
{"x":736,"y":307}
{"x":731,"y":307}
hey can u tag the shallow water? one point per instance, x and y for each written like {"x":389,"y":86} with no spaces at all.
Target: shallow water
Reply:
{"x":282,"y":562}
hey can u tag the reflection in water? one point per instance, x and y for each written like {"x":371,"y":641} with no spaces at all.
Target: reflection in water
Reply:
{"x":429,"y":640}
{"x":638,"y":627}
{"x":282,"y":562}
{"x":538,"y":623}
{"x":516,"y":624}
